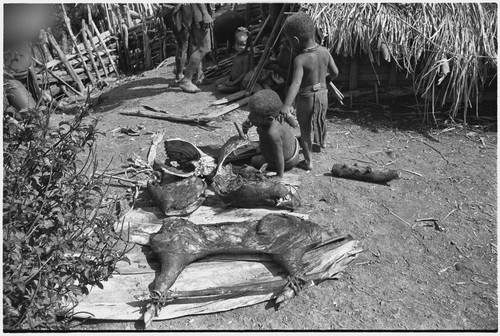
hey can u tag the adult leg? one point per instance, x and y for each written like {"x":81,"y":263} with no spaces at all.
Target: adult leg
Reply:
{"x":304,"y":116}
{"x":182,"y":39}
{"x":201,"y":46}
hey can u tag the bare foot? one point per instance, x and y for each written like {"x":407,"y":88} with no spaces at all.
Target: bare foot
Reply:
{"x":178,"y":79}
{"x":188,"y":86}
{"x":200,"y":78}
{"x":304,"y":165}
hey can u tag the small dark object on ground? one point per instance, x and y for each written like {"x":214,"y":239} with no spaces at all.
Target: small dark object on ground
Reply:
{"x":367,"y":174}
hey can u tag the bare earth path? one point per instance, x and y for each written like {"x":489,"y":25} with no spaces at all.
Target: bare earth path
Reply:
{"x":412,"y":275}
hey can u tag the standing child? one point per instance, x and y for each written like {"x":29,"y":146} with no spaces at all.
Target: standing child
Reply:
{"x":278,"y":146}
{"x":308,"y":86}
{"x":242,"y":63}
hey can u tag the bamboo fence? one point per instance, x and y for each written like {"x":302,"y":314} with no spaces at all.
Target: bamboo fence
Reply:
{"x":132,"y":37}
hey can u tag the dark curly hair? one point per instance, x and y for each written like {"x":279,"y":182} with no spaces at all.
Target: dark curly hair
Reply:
{"x":300,"y":25}
{"x":265,"y":103}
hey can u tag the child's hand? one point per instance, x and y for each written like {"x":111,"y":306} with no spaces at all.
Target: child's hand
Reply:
{"x":246,"y":125}
{"x":284,"y":110}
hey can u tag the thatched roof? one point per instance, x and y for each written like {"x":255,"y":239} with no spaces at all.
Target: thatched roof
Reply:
{"x":423,"y":39}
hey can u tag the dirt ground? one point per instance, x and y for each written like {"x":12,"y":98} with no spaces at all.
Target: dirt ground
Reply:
{"x":412,"y":275}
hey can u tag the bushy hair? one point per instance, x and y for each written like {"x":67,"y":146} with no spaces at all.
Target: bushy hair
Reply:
{"x":300,"y":25}
{"x":265,"y":103}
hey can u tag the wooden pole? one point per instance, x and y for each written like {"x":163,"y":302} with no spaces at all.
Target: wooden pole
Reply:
{"x":94,"y":47}
{"x":43,"y":43}
{"x":109,"y":19}
{"x":57,"y":77}
{"x":68,"y":66}
{"x":64,"y":43}
{"x":126,"y":10}
{"x":272,"y":39}
{"x":229,"y":98}
{"x":75,"y":42}
{"x":119,"y":18}
{"x":126,"y":50}
{"x":261,"y":31}
{"x":89,"y":50}
{"x":96,"y":31}
{"x":146,"y":45}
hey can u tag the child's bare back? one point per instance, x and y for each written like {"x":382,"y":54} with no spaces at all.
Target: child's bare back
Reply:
{"x":308,"y":87}
{"x":279,"y":147}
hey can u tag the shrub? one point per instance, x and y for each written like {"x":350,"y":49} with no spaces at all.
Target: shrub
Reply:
{"x":56,"y":242}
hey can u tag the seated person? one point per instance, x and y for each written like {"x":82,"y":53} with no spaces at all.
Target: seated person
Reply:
{"x":278,"y":146}
{"x":242,"y":63}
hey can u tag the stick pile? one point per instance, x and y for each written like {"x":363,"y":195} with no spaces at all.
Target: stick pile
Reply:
{"x":131,"y":37}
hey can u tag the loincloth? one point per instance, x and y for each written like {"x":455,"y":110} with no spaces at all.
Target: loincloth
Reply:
{"x":294,"y":159}
{"x":187,"y":16}
{"x":319,"y":93}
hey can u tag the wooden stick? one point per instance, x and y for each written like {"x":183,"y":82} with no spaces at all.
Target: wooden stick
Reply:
{"x":96,"y":31}
{"x":126,"y":50}
{"x":146,"y":45}
{"x":138,"y":183}
{"x":57,"y":77}
{"x":452,"y":211}
{"x":412,"y":172}
{"x":106,"y":51}
{"x":392,"y":213}
{"x":68,"y":66}
{"x":75,"y":42}
{"x":43,"y":42}
{"x":126,"y":12}
{"x":89,"y":50}
{"x":239,"y":130}
{"x":426,"y":220}
{"x":38,"y":91}
{"x":337,"y":93}
{"x":229,"y":98}
{"x":241,"y":102}
{"x":261,"y":31}
{"x":236,"y":105}
{"x":272,"y":39}
{"x":94,"y":48}
{"x":109,"y":19}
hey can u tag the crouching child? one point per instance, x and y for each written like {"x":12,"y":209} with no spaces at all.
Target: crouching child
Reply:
{"x":278,"y":146}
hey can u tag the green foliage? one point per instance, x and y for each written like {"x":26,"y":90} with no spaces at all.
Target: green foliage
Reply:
{"x":56,"y":242}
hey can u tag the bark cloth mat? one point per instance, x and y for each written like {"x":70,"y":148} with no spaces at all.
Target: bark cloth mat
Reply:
{"x":126,"y":293}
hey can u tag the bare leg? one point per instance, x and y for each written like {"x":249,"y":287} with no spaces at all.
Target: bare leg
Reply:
{"x":182,"y":39}
{"x":201,"y":43}
{"x":199,"y":74}
{"x":258,"y":161}
{"x":304,"y":117}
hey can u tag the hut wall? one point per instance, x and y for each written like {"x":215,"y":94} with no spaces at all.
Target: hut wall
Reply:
{"x":359,"y":72}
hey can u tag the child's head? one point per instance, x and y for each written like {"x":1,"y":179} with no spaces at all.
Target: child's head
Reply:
{"x":264,"y":106}
{"x":240,"y":39}
{"x":299,"y":29}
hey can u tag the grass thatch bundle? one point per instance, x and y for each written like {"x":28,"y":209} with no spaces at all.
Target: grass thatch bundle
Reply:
{"x":449,"y":48}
